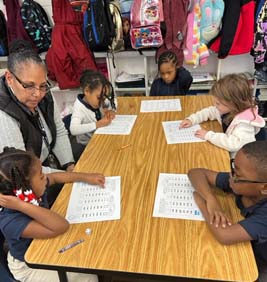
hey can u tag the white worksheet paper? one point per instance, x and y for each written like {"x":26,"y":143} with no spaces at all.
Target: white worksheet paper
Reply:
{"x":89,"y":203}
{"x":174,"y":135}
{"x":120,"y":125}
{"x":166,"y":105}
{"x":174,"y":198}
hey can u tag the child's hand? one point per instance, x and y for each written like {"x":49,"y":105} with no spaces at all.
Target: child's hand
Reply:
{"x":10,"y":202}
{"x":201,"y":133}
{"x":110,"y":114}
{"x":103,"y":122}
{"x":185,"y":123}
{"x":95,"y":179}
{"x":217,"y":216}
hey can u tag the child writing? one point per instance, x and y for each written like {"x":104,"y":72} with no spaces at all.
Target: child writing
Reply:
{"x":234,"y":107}
{"x":94,"y":108}
{"x":173,"y":80}
{"x":248,"y":182}
{"x":24,"y":213}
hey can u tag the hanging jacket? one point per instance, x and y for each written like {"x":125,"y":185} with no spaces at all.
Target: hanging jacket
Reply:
{"x":68,"y":55}
{"x":15,"y":27}
{"x":175,"y":15}
{"x":237,"y":33}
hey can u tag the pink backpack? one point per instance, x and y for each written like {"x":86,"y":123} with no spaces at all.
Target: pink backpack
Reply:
{"x":146,"y":16}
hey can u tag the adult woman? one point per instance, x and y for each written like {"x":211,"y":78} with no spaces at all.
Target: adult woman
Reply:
{"x":29,"y":118}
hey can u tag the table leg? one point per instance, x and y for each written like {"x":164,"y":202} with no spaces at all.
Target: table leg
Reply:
{"x":62,"y":275}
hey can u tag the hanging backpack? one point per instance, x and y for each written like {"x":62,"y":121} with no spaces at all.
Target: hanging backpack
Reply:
{"x":3,"y":35}
{"x":117,"y":41}
{"x":146,"y":16}
{"x":98,"y":26}
{"x":36,"y":24}
{"x":126,"y":8}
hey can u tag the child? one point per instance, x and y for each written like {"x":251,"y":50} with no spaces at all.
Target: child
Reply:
{"x":173,"y":80}
{"x":126,"y":33}
{"x":94,"y":108}
{"x":24,"y":212}
{"x":234,"y":107}
{"x":248,"y":182}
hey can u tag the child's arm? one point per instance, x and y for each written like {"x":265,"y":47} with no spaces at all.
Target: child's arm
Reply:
{"x":45,"y":223}
{"x":202,"y":180}
{"x":69,"y":177}
{"x":227,"y":236}
{"x":209,"y":113}
{"x":106,"y":120}
{"x":77,"y":127}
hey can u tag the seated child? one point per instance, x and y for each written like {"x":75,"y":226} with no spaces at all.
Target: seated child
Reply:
{"x":94,"y":108}
{"x":172,"y":80}
{"x":248,"y":182}
{"x":235,"y":108}
{"x":24,"y":213}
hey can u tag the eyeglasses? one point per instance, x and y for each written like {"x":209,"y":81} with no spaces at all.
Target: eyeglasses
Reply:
{"x":29,"y":87}
{"x":235,"y":178}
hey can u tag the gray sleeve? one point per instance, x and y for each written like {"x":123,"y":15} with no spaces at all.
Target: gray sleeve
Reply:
{"x":62,"y":148}
{"x":10,"y":134}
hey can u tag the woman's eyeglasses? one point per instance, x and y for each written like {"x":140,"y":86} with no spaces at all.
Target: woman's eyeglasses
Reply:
{"x":29,"y":87}
{"x":235,"y":178}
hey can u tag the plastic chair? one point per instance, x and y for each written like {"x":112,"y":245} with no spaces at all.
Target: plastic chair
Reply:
{"x":5,"y":274}
{"x":262,"y":134}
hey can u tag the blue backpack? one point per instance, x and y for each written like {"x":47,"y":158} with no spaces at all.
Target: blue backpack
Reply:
{"x":36,"y":24}
{"x":3,"y":35}
{"x":98,"y":25}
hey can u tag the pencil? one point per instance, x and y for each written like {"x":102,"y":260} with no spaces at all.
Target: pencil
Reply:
{"x":124,"y":146}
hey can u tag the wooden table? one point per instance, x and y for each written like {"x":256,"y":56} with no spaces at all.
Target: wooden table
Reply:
{"x":139,"y":245}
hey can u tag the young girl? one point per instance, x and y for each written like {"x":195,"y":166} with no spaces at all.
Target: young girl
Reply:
{"x":173,"y":80}
{"x":94,"y":108}
{"x":24,"y":213}
{"x":234,"y":107}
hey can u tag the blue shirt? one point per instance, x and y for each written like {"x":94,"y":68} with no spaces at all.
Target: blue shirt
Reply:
{"x":255,"y":222}
{"x":12,"y":224}
{"x":179,"y":86}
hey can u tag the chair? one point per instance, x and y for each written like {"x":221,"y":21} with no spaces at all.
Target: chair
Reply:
{"x":5,"y":274}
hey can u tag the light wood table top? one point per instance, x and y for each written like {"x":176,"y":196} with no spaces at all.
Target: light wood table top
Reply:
{"x":139,"y":243}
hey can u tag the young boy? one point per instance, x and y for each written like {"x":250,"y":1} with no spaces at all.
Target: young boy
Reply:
{"x":248,"y":182}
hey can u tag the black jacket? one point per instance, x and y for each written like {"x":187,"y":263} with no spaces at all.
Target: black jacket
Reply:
{"x":29,"y":125}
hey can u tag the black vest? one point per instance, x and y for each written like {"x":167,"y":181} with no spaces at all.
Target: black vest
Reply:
{"x":29,"y":128}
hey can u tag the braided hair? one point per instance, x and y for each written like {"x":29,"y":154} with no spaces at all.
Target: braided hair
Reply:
{"x":92,"y":80}
{"x":167,"y":57}
{"x":15,"y":170}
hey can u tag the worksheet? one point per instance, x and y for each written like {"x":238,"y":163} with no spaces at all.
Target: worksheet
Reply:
{"x":174,"y":135}
{"x":166,"y":105}
{"x":120,"y":125}
{"x":174,"y":198}
{"x":89,"y":203}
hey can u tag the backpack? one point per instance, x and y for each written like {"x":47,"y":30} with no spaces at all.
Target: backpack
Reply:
{"x":145,"y":24}
{"x":98,"y":26}
{"x":126,"y":7}
{"x":36,"y":24}
{"x":3,"y":35}
{"x":79,"y":6}
{"x":117,"y":41}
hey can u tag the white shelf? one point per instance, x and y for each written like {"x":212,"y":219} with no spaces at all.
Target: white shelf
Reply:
{"x":136,"y":89}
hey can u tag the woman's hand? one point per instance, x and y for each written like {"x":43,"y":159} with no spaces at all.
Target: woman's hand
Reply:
{"x":200,"y":133}
{"x":185,"y":123}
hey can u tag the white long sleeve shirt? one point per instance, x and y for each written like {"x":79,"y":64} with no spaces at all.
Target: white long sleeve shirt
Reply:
{"x":241,"y":130}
